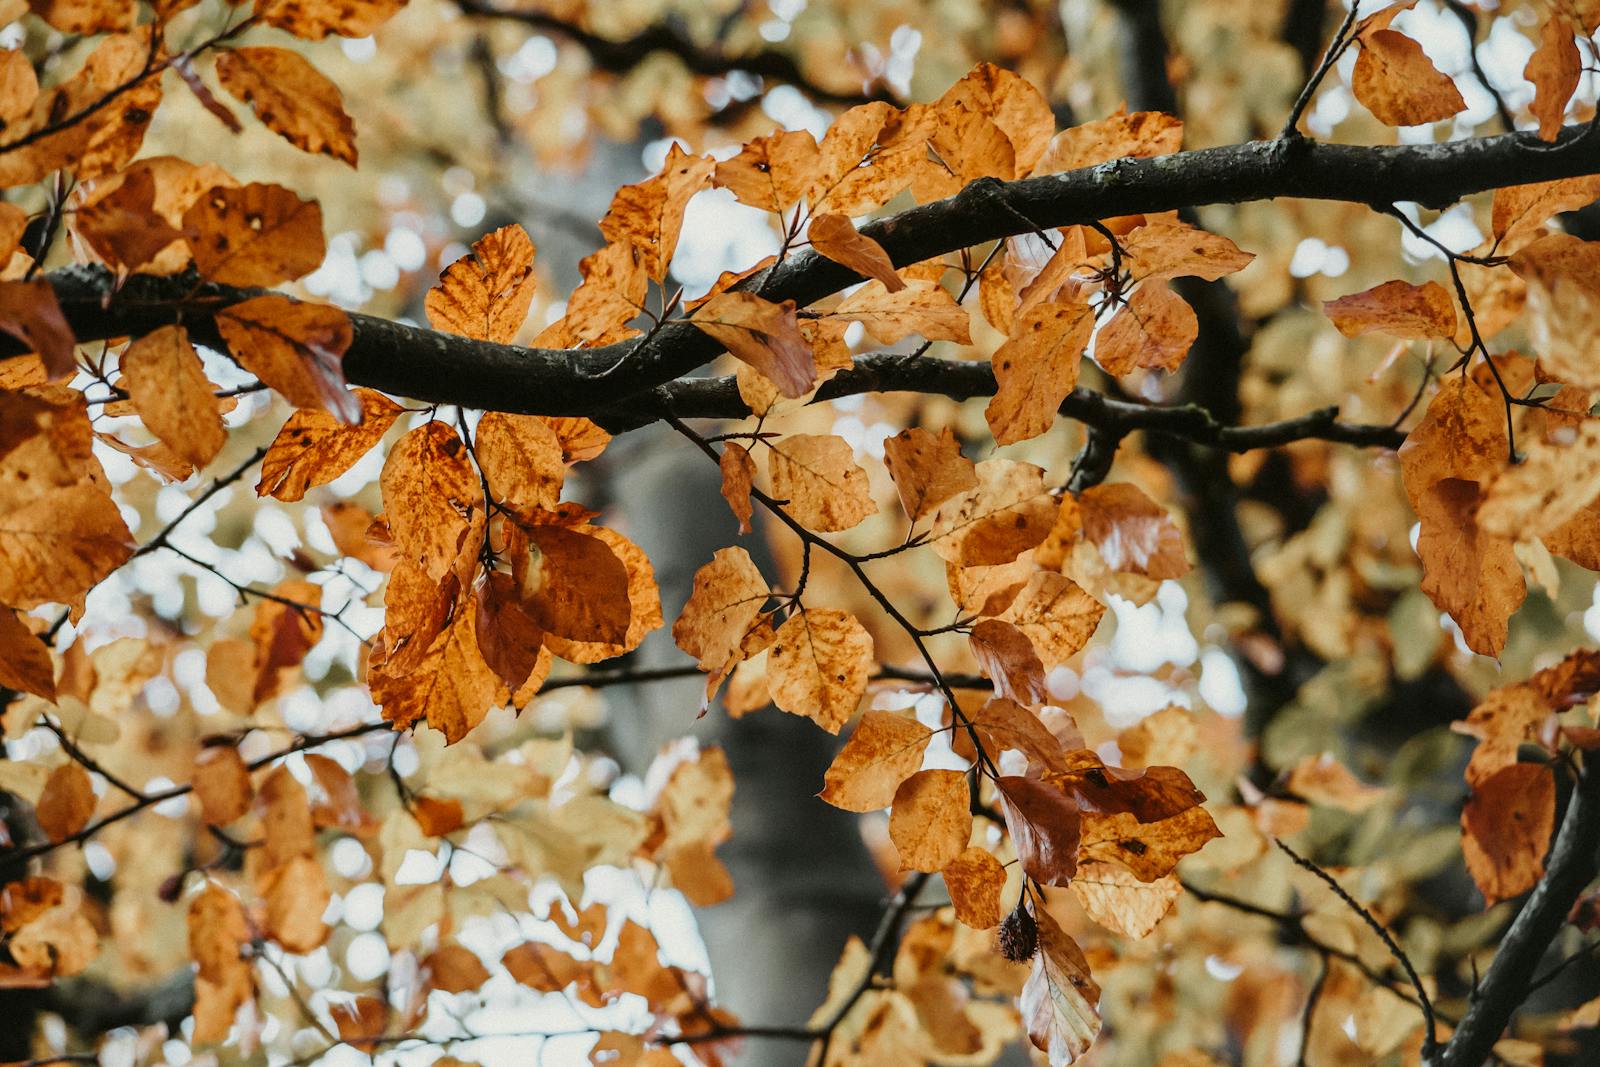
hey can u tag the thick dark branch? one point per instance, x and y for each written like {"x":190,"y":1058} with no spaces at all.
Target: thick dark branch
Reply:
{"x":1573,"y":862}
{"x":414,"y":362}
{"x":620,"y":57}
{"x":718,"y":398}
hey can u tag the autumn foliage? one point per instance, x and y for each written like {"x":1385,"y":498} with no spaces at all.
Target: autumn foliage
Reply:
{"x":1202,"y":624}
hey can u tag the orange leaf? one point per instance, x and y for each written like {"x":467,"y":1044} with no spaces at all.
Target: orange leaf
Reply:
{"x":1462,"y":435}
{"x":770,"y":172}
{"x":66,"y":803}
{"x":836,"y":237}
{"x":764,"y":335}
{"x":649,"y":214}
{"x":1505,"y":829}
{"x":486,"y":293}
{"x":819,"y":481}
{"x":728,"y":596}
{"x":1057,"y":616}
{"x":927,"y":469}
{"x":314,"y":447}
{"x":818,"y":666}
{"x":931,"y":819}
{"x":297,"y":349}
{"x":25,"y":661}
{"x":433,"y":496}
{"x":316,"y":19}
{"x":218,"y":933}
{"x":1173,"y":249}
{"x":521,"y":459}
{"x":1036,"y":368}
{"x":644,"y":605}
{"x":580,"y":591}
{"x":921,"y":307}
{"x":451,"y":689}
{"x":1154,"y":329}
{"x":738,"y":470}
{"x":1014,"y":106}
{"x":974,"y":880}
{"x":168,"y":386}
{"x":1399,"y":309}
{"x":123,"y":226}
{"x":1140,"y":135}
{"x":1008,"y":512}
{"x":1521,"y":209}
{"x":254,"y":235}
{"x":292,"y":98}
{"x":30,"y":313}
{"x":884,"y":751}
{"x":1399,"y":84}
{"x":1120,"y":902}
{"x":1134,"y":534}
{"x":222,"y":784}
{"x":1467,"y":571}
{"x":1553,"y":69}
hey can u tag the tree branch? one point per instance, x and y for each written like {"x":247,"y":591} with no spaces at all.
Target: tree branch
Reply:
{"x":414,"y":362}
{"x":1573,"y":862}
{"x":621,"y":57}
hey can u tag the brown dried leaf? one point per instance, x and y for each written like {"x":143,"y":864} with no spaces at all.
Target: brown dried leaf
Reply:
{"x":1059,"y":1001}
{"x":1005,"y":655}
{"x":452,"y":689}
{"x":579,"y":590}
{"x":1462,"y":435}
{"x":255,"y":235}
{"x":1044,"y":823}
{"x":1134,"y":534}
{"x":296,"y":348}
{"x":314,"y":448}
{"x":30,"y":313}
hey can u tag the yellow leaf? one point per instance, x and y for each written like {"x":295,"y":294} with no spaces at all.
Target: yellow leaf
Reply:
{"x":1036,"y":368}
{"x":820,"y":483}
{"x":819,"y":665}
{"x":884,"y":751}
{"x":931,"y":819}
